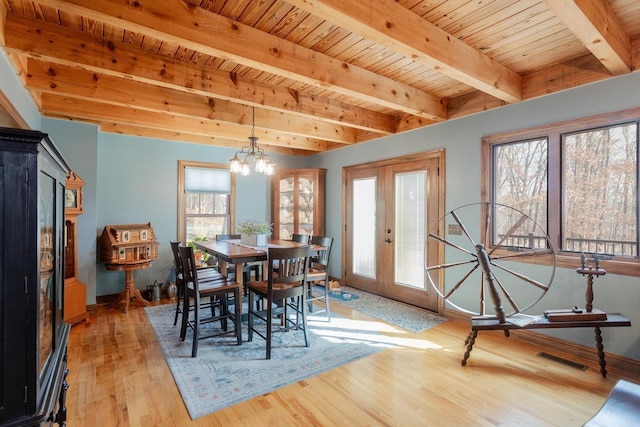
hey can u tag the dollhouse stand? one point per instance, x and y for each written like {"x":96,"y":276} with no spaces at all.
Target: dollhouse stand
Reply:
{"x":128,"y":248}
{"x":130,"y":291}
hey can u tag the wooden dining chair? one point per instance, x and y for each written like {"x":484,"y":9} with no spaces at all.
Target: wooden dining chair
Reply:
{"x":319,"y":273}
{"x":300,"y":238}
{"x":281,"y":290}
{"x":248,"y":268}
{"x":221,"y":292}
{"x":203,"y":273}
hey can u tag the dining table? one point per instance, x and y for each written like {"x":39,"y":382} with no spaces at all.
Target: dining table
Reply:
{"x":236,"y":253}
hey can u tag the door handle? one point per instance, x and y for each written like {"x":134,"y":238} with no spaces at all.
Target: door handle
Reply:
{"x":387,"y":240}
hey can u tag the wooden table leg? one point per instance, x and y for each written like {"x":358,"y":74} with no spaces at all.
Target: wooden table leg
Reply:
{"x":130,"y":291}
{"x":240,"y":274}
{"x":600,"y":347}
{"x":223,"y":267}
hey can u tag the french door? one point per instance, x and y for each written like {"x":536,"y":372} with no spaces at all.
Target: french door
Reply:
{"x":390,"y":208}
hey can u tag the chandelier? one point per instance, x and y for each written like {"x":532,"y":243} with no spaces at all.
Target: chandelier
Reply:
{"x":252,"y":153}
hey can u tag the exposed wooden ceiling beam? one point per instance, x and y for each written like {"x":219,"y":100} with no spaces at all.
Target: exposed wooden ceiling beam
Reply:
{"x":599,"y":29}
{"x":62,"y":106}
{"x":42,"y":40}
{"x":198,"y":29}
{"x":394,"y":26}
{"x":143,"y":131}
{"x":3,"y":17}
{"x":78,"y":83}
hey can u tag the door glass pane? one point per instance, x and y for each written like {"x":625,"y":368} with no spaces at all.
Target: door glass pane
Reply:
{"x":364,"y":226}
{"x":410,"y":208}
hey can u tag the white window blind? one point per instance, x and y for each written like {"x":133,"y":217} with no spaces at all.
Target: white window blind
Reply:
{"x":206,"y":180}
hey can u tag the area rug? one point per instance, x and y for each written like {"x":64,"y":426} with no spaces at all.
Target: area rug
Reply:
{"x":224,"y":373}
{"x":403,"y":315}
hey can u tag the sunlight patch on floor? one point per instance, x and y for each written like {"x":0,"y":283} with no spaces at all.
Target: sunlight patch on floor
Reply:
{"x":368,"y":332}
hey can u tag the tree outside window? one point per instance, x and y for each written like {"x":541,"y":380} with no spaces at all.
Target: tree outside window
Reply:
{"x":578,"y":180}
{"x":600,"y":191}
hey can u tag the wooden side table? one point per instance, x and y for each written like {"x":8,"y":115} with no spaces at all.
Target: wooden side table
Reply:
{"x":486,"y":324}
{"x":130,"y":291}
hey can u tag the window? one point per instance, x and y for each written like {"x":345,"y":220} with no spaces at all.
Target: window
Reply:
{"x":206,"y":200}
{"x":578,"y":180}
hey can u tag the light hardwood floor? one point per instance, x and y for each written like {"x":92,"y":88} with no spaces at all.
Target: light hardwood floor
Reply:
{"x":119,"y":377}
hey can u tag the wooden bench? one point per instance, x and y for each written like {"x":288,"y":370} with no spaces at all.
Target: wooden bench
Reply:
{"x":486,"y":323}
{"x":622,"y":407}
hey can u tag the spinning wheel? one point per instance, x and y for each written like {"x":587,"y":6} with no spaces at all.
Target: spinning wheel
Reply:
{"x":485,"y":246}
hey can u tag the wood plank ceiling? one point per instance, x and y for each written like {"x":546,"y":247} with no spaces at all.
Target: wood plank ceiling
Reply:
{"x":321,"y":74}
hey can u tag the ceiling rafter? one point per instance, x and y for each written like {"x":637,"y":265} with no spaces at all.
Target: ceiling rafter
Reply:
{"x":63,"y":106}
{"x":321,"y":74}
{"x":82,"y":84}
{"x":59,"y":44}
{"x":599,"y":29}
{"x":145,"y":131}
{"x":213,"y":34}
{"x":392,"y":25}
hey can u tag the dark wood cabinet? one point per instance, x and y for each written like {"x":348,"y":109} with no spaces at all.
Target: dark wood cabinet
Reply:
{"x":33,"y":334}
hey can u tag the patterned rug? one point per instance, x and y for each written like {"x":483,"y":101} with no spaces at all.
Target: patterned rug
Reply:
{"x":403,"y":315}
{"x":224,"y":373}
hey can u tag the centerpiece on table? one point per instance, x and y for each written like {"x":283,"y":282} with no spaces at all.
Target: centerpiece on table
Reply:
{"x":254,"y":233}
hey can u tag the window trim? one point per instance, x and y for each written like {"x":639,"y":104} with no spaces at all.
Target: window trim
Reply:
{"x":182,"y":164}
{"x":553,"y":133}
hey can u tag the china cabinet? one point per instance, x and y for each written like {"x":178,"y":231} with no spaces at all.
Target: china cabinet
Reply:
{"x":33,"y":335}
{"x":298,"y":202}
{"x":75,"y":291}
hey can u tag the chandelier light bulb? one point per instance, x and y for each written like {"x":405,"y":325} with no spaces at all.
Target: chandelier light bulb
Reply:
{"x":261,"y":164}
{"x":270,"y":169}
{"x":245,"y":168}
{"x":235,"y":166}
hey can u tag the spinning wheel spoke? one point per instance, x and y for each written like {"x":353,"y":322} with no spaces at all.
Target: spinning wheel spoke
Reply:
{"x":505,"y":234}
{"x":483,"y":306}
{"x":455,"y":288}
{"x":522,"y":277}
{"x":445,"y":241}
{"x":453,"y":264}
{"x":523,"y":254}
{"x":487,"y":225}
{"x":512,"y":302}
{"x":509,"y":233}
{"x":462,"y":227}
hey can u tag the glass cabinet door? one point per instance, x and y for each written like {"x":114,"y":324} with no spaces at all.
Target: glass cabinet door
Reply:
{"x":298,"y":203}
{"x":305,"y":205}
{"x":286,"y":208}
{"x":47,"y":308}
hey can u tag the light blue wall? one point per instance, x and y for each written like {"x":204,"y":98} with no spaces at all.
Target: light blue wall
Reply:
{"x":462,"y":140}
{"x":12,"y":87}
{"x":137,"y":183}
{"x":78,"y":145}
{"x":135,"y":180}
